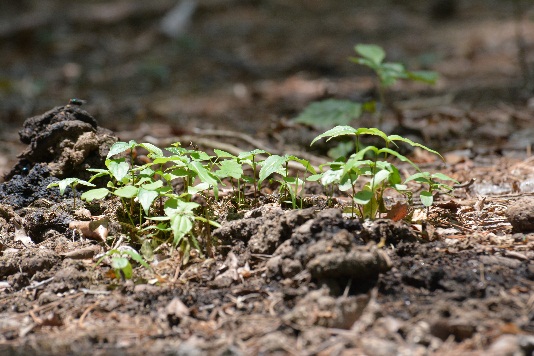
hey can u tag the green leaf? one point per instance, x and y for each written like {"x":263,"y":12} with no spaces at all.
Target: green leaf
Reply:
{"x":363,"y":197}
{"x":181,"y":217}
{"x":335,"y":132}
{"x":93,"y":194}
{"x":424,"y":76}
{"x":248,"y":155}
{"x":315,"y":177}
{"x":412,"y":143}
{"x":199,"y":156}
{"x":372,"y":52}
{"x":426,"y":198}
{"x":128,"y":191}
{"x":443,"y":177}
{"x":331,"y":176}
{"x":223,"y":154}
{"x":305,"y":163}
{"x":119,"y":147}
{"x":146,"y":198}
{"x":119,"y":262}
{"x":153,"y":150}
{"x":152,"y":186}
{"x":230,"y":168}
{"x":205,"y":176}
{"x":271,"y":165}
{"x":389,"y":73}
{"x":331,"y":112}
{"x":379,"y":177}
{"x":136,"y":257}
{"x":399,"y":156}
{"x":118,"y":167}
{"x":198,"y":188}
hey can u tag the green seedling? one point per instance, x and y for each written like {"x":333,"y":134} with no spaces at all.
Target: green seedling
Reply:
{"x":289,"y":185}
{"x":377,"y":174}
{"x":331,"y":112}
{"x":72,"y":183}
{"x":120,"y":262}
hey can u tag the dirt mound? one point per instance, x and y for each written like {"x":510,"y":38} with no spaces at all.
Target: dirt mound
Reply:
{"x":62,"y":142}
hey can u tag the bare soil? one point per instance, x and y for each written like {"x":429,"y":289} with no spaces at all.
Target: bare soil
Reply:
{"x":456,"y":279}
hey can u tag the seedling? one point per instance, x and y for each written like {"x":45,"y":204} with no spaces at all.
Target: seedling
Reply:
{"x":72,"y":183}
{"x":379,"y":174}
{"x":388,"y":73}
{"x":120,"y":262}
{"x":331,"y":112}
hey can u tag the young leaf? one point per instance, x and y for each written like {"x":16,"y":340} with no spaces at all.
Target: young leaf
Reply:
{"x":229,"y":168}
{"x":153,"y":150}
{"x":426,"y":198}
{"x":205,"y":176}
{"x":331,"y":112}
{"x":424,"y":76}
{"x":223,"y":154}
{"x":93,"y":194}
{"x":118,"y":167}
{"x":335,"y":132}
{"x":372,"y":52}
{"x":121,"y":264}
{"x":271,"y":165}
{"x":443,"y":177}
{"x":119,"y":147}
{"x":146,"y":198}
{"x":363,"y":197}
{"x":412,"y":143}
{"x":128,"y":191}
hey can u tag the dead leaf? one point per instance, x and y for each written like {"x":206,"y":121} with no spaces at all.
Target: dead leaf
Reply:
{"x":95,"y":230}
{"x":398,"y":211}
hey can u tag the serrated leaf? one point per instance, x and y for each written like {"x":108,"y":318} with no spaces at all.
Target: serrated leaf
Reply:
{"x":128,"y":191}
{"x":331,"y":112}
{"x":93,"y":194}
{"x":119,"y":147}
{"x":230,"y":168}
{"x":271,"y":165}
{"x":335,"y":132}
{"x":249,"y":154}
{"x":223,"y":154}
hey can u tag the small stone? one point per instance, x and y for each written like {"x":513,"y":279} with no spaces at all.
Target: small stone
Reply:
{"x":521,"y":215}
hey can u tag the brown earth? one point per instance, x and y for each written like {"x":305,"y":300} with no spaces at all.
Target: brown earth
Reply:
{"x":457,"y":279}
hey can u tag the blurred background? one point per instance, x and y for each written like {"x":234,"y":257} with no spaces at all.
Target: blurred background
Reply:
{"x":166,"y":67}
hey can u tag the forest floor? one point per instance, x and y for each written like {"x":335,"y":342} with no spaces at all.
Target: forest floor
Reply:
{"x":456,"y":280}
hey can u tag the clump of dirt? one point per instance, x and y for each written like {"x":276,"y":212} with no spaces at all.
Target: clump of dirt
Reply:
{"x":66,"y":140}
{"x":62,"y":142}
{"x":521,"y":215}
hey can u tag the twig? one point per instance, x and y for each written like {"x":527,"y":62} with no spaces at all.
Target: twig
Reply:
{"x":86,"y":312}
{"x":465,"y":185}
